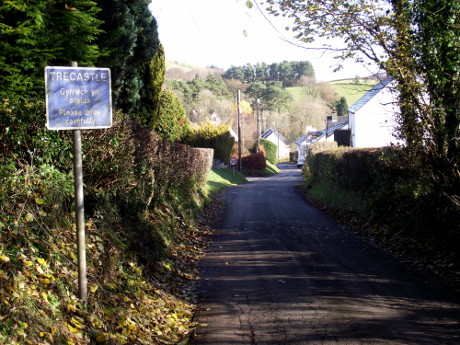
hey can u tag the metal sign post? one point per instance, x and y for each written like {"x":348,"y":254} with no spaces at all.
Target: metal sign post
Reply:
{"x":78,"y":98}
{"x":233,"y":165}
{"x":80,"y":215}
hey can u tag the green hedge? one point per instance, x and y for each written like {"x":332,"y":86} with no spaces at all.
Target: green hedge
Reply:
{"x":358,"y":169}
{"x":254,"y":161}
{"x":271,"y":150}
{"x":211,"y":136}
{"x":384,"y":187}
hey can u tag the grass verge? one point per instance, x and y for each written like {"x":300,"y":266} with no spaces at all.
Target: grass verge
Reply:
{"x":220,"y":179}
{"x":336,"y":197}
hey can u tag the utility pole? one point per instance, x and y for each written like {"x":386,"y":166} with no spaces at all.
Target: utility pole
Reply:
{"x":278,"y":145}
{"x":258,"y":124}
{"x":239,"y":130}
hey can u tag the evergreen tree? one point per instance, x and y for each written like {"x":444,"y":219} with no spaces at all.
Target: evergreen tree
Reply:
{"x":129,"y":43}
{"x":153,"y":76}
{"x":289,"y":73}
{"x":172,"y":123}
{"x":34,"y":34}
{"x":342,"y":107}
{"x":217,"y":86}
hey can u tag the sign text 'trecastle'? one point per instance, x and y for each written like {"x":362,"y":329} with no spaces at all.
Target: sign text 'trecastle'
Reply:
{"x":79,"y":76}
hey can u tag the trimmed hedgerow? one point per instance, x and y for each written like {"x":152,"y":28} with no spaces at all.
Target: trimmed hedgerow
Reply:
{"x":385,"y":188}
{"x":254,"y":161}
{"x":271,"y":150}
{"x":211,"y":136}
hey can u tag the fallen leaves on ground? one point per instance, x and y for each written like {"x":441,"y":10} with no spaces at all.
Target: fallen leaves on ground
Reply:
{"x":127,"y":304}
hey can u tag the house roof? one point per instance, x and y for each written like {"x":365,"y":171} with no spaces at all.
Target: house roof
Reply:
{"x":369,"y":95}
{"x":301,"y":140}
{"x":271,"y":131}
{"x":330,"y":131}
{"x":340,"y":125}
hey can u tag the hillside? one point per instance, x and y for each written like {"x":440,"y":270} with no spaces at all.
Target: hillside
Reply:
{"x":347,"y":88}
{"x":351,"y":90}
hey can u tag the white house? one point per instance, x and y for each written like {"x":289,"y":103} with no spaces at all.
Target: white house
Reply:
{"x":281,"y":142}
{"x":372,"y":119}
{"x":302,"y":145}
{"x":333,"y":124}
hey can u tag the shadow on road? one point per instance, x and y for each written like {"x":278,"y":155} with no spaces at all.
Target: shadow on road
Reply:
{"x":280,"y":272}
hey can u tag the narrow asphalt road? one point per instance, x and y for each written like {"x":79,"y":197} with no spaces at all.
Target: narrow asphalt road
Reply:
{"x":280,"y":272}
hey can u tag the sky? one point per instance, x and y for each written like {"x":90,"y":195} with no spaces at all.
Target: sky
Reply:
{"x":212,"y":33}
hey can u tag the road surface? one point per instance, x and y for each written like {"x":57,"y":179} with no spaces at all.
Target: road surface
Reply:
{"x":280,"y":272}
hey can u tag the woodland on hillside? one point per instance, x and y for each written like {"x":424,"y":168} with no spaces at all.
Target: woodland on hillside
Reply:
{"x":269,"y":88}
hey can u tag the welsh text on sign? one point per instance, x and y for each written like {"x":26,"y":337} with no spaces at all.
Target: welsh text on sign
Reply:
{"x":78,"y":98}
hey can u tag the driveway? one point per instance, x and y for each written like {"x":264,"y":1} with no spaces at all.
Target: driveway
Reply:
{"x":280,"y":272}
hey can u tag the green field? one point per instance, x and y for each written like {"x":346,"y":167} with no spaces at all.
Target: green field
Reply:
{"x":297,"y":92}
{"x":344,"y":88}
{"x":352,"y":91}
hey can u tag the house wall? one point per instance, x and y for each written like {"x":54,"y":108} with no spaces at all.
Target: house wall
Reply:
{"x":302,"y":149}
{"x":374,"y":124}
{"x":283,"y":148}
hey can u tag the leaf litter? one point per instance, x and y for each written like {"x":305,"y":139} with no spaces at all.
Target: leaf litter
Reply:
{"x":127,"y":304}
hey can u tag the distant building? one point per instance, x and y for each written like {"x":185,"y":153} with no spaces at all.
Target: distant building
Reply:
{"x":334,"y":124}
{"x":371,"y":122}
{"x":281,"y":142}
{"x":215,"y":119}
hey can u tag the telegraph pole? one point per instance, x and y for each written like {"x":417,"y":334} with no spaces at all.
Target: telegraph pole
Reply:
{"x":239,"y":130}
{"x":258,"y":124}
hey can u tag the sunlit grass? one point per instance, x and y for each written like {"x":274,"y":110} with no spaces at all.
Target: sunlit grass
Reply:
{"x":271,"y":169}
{"x":352,"y":91}
{"x":344,"y":88}
{"x":220,"y":179}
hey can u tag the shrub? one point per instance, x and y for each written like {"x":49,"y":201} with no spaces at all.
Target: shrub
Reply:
{"x":254,"y":161}
{"x":310,"y":167}
{"x":109,"y":167}
{"x":161,"y":165}
{"x":321,"y":146}
{"x":23,"y":134}
{"x":271,"y":150}
{"x":211,"y":136}
{"x":172,"y":123}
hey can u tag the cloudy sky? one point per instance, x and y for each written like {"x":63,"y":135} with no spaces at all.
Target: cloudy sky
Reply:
{"x":223,"y":33}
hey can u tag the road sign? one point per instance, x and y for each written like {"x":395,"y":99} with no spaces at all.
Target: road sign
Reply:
{"x":78,"y":98}
{"x":232,"y":161}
